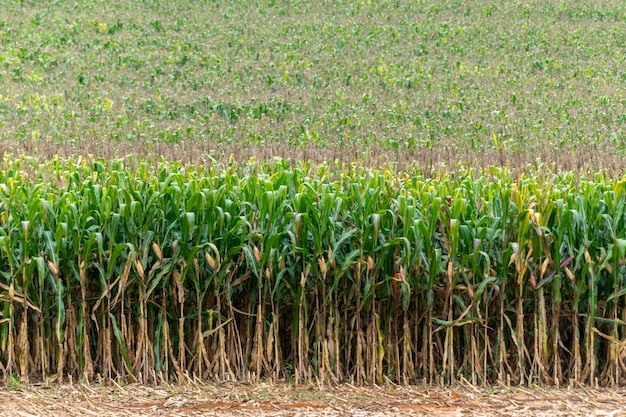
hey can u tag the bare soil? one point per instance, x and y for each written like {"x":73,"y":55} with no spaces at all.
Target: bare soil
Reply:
{"x":287,"y":400}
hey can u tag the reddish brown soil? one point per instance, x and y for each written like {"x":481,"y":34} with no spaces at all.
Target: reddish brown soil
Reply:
{"x":285,"y":400}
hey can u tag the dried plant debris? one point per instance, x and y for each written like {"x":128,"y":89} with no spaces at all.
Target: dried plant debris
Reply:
{"x":284,"y":400}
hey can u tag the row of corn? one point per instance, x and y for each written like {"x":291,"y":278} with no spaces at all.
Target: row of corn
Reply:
{"x":149,"y":272}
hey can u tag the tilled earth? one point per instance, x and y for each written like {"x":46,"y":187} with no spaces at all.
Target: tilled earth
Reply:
{"x":288,"y":400}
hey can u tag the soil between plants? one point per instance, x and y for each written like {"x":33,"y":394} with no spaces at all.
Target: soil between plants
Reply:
{"x":288,"y":400}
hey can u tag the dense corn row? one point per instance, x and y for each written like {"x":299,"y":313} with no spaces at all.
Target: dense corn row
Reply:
{"x":317,"y":273}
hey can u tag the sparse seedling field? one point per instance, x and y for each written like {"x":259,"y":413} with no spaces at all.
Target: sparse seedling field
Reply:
{"x":373,"y":193}
{"x":485,"y":82}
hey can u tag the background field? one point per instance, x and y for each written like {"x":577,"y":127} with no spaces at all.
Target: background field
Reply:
{"x":483,"y":82}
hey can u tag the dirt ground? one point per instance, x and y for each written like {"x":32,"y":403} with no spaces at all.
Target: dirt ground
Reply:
{"x":283,"y":400}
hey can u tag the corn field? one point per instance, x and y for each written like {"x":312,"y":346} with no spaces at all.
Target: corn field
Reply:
{"x":131,"y":271}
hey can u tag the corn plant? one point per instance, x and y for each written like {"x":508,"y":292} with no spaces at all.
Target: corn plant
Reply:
{"x":149,"y":272}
